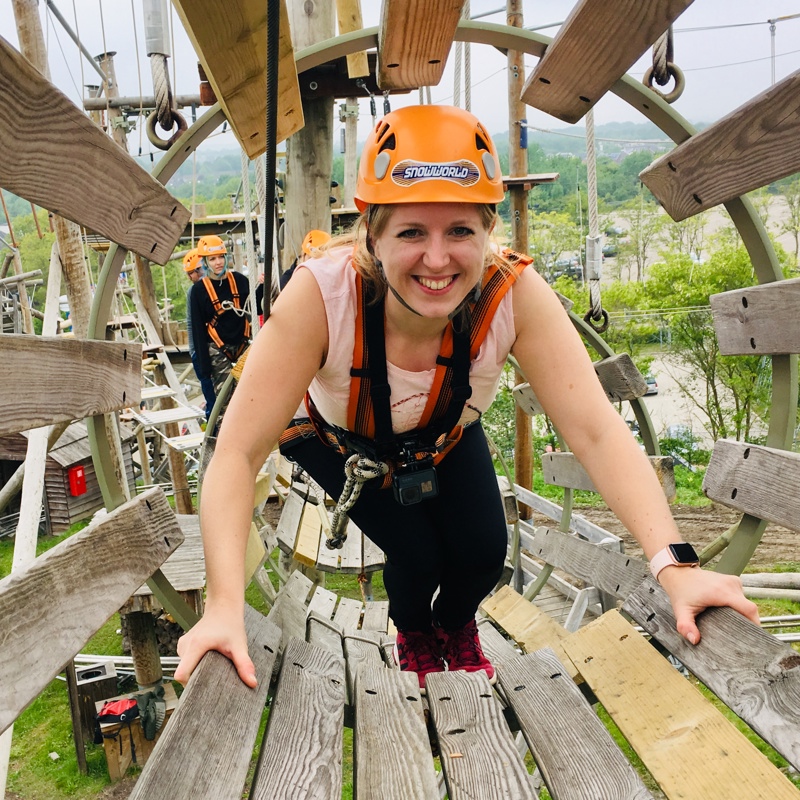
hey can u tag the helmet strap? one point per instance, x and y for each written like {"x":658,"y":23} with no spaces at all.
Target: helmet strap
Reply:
{"x":393,"y":290}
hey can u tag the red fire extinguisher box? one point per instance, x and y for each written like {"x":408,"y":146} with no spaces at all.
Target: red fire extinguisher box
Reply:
{"x":77,"y":480}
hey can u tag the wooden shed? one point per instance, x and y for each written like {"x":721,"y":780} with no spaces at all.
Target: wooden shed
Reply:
{"x":71,"y":454}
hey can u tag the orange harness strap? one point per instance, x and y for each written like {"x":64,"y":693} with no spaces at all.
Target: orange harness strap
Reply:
{"x":211,"y":327}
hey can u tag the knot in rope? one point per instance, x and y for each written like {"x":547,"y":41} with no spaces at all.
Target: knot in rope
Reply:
{"x":358,"y":470}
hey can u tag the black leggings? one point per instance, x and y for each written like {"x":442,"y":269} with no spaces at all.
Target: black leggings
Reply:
{"x":455,"y":542}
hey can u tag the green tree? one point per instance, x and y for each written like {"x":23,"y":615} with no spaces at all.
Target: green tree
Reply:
{"x":791,"y":224}
{"x":644,"y":221}
{"x":550,"y":235}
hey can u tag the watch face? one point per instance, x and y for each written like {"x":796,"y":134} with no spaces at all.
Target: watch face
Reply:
{"x":684,"y":553}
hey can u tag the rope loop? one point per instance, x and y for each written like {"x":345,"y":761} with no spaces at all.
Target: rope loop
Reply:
{"x":358,"y":470}
{"x":164,"y":144}
{"x":675,"y":72}
{"x":663,"y":54}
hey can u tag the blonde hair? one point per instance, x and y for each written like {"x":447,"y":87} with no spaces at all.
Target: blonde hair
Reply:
{"x":372,"y":223}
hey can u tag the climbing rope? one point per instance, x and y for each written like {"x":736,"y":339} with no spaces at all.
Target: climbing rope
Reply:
{"x":665,"y":69}
{"x":252,"y":261}
{"x":597,"y":316}
{"x":358,"y":470}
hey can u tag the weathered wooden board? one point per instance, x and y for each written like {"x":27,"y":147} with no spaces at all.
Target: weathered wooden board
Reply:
{"x":753,"y":146}
{"x":556,"y":719}
{"x":50,"y":609}
{"x":351,"y":556}
{"x":348,"y":613}
{"x":348,"y":17}
{"x":231,"y":44}
{"x":301,"y":755}
{"x":392,"y":754}
{"x":479,"y":758}
{"x":289,"y":522}
{"x":526,"y":399}
{"x":495,"y":646}
{"x":63,"y":162}
{"x":750,"y":670}
{"x":528,"y":626}
{"x":376,"y":616}
{"x":324,"y":633}
{"x":607,"y":570}
{"x":306,"y":545}
{"x":414,"y":41}
{"x":755,"y":480}
{"x":759,"y":320}
{"x":564,"y":469}
{"x":686,"y":743}
{"x":49,"y":379}
{"x":620,"y":378}
{"x":189,"y":763}
{"x":361,"y":649}
{"x":323,"y":602}
{"x":597,"y":44}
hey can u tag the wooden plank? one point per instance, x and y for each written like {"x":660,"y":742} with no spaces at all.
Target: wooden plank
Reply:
{"x":392,"y":753}
{"x":373,"y":557}
{"x":752,"y":672}
{"x":298,"y":587}
{"x":414,"y":41}
{"x":289,"y":522}
{"x":348,"y":16}
{"x":525,"y":398}
{"x":324,"y":633}
{"x":758,"y":320}
{"x":327,"y":558}
{"x":753,"y":146}
{"x":65,"y":163}
{"x":529,"y":627}
{"x":351,"y":556}
{"x":302,"y":751}
{"x":495,"y":646}
{"x":323,"y":602}
{"x":610,"y":572}
{"x":564,"y":469}
{"x":376,"y":616}
{"x":361,"y":649}
{"x":307,"y":542}
{"x":348,"y":614}
{"x":755,"y":480}
{"x":64,"y":596}
{"x":232,"y":49}
{"x":597,"y":44}
{"x":187,"y":762}
{"x":49,"y":379}
{"x":479,"y":758}
{"x":576,"y":754}
{"x":620,"y":378}
{"x":667,"y":721}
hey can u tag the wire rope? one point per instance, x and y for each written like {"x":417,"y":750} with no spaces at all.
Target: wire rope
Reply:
{"x":138,"y":73}
{"x":63,"y":54}
{"x":77,"y":44}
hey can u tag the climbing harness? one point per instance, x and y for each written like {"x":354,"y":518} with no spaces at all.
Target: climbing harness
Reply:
{"x":406,"y":461}
{"x":665,"y":69}
{"x":220,"y":307}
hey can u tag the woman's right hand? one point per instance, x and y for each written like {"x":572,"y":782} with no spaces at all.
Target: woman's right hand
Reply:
{"x":221,"y":630}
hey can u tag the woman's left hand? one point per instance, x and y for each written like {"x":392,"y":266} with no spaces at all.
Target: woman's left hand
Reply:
{"x":693,"y":590}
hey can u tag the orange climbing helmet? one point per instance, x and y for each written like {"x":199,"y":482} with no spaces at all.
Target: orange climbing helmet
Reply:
{"x":211,"y":246}
{"x":429,"y":154}
{"x":191,"y":260}
{"x":315,"y":239}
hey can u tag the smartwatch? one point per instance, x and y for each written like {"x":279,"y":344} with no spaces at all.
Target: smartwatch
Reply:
{"x":677,"y":554}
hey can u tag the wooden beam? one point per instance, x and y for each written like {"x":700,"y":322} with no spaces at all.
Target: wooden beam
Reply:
{"x":527,"y":182}
{"x":231,"y":43}
{"x":63,"y":162}
{"x":187,"y":762}
{"x":414,"y":41}
{"x":756,"y":480}
{"x":348,"y":15}
{"x":52,"y":379}
{"x":759,"y":320}
{"x":599,"y":42}
{"x":65,"y":595}
{"x":754,"y":145}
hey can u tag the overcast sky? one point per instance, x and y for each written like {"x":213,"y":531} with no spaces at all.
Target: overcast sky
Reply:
{"x":724,"y":66}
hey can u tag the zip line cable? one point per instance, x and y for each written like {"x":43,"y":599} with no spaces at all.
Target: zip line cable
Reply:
{"x":78,"y":45}
{"x":138,"y":73}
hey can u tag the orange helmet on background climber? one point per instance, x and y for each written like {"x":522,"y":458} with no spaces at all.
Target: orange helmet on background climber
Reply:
{"x":314,"y":240}
{"x":211,"y":246}
{"x":429,"y":154}
{"x":191,"y":260}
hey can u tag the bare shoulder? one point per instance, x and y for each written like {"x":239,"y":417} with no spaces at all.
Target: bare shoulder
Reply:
{"x":536,"y":304}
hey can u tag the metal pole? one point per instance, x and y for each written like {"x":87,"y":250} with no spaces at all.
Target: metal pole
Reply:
{"x":74,"y":36}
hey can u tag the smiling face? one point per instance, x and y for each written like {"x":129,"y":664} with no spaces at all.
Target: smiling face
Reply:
{"x":433,"y":254}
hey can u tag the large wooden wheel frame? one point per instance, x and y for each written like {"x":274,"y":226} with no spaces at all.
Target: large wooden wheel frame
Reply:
{"x":784,"y":367}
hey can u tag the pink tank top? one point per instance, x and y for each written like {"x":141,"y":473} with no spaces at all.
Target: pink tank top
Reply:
{"x":330,"y":389}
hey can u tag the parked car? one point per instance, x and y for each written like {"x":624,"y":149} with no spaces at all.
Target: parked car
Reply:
{"x":610,"y":249}
{"x":652,"y":384}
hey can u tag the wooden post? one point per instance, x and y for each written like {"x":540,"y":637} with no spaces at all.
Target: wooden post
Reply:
{"x":144,"y":458}
{"x":144,"y":648}
{"x":75,"y":716}
{"x":518,"y":166}
{"x":309,"y":152}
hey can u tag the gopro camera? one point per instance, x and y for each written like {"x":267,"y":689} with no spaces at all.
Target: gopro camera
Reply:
{"x":415,"y":482}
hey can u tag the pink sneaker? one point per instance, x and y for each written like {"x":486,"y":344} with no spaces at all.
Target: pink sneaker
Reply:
{"x":462,"y":650}
{"x":418,"y":651}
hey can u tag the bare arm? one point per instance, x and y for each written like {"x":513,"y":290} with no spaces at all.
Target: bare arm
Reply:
{"x":287,"y":353}
{"x":555,"y":362}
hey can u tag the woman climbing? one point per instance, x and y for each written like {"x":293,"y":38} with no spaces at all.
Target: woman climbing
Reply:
{"x":381,"y":356}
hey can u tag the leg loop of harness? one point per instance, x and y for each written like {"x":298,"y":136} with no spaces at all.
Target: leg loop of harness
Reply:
{"x":358,"y":470}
